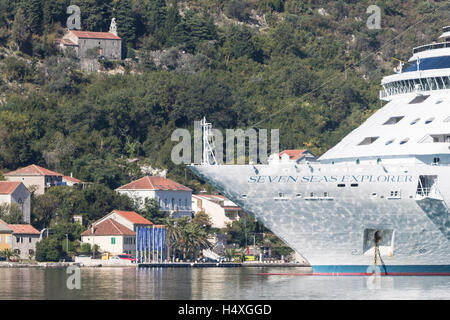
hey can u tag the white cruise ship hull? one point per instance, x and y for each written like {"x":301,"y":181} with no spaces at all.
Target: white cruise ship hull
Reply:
{"x":328,"y":213}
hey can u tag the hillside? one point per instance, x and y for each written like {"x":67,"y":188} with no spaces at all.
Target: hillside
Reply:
{"x":310,"y":68}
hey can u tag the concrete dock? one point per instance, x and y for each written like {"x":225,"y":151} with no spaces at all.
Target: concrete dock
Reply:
{"x":217,"y":265}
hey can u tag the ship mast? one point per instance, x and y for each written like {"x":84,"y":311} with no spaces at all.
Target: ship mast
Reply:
{"x":208,"y":144}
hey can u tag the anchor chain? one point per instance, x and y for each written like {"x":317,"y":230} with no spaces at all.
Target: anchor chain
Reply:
{"x":376,"y":240}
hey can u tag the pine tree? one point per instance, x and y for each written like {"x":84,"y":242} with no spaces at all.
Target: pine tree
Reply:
{"x":126,"y":22}
{"x":173,"y":18}
{"x":20,"y":35}
{"x":155,"y":16}
{"x":34,"y":15}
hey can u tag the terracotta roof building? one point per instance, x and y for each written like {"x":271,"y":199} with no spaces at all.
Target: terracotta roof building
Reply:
{"x":24,"y":238}
{"x":110,"y":236}
{"x":109,"y":227}
{"x":88,"y":44}
{"x":35,"y":178}
{"x":129,"y":219}
{"x":221,"y":210}
{"x":15,"y":193}
{"x":299,"y":156}
{"x":40,"y":179}
{"x":172,"y":197}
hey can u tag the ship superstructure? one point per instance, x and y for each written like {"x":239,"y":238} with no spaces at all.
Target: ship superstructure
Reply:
{"x":382,"y":193}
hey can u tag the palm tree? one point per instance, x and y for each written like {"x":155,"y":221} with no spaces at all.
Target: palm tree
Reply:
{"x":194,"y":239}
{"x":8,"y":254}
{"x":172,"y":234}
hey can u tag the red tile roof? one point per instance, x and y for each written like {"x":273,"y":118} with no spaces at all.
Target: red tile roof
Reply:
{"x":109,"y":227}
{"x":133,"y":217}
{"x":33,"y":170}
{"x":154,"y":183}
{"x":95,"y":35}
{"x":8,"y":187}
{"x":293,"y":154}
{"x":23,"y":229}
{"x":4,"y":226}
{"x":71,"y":179}
{"x":66,"y":42}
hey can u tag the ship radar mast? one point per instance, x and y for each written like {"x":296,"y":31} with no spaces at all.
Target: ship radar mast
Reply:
{"x":208,"y":144}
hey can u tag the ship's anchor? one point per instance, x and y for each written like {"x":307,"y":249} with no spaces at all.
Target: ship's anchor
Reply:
{"x":376,"y":251}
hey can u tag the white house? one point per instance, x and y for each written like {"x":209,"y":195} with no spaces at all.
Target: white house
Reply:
{"x":70,"y":180}
{"x":221,"y":210}
{"x":110,"y":236}
{"x":172,"y":197}
{"x":116,"y":232}
{"x":15,"y":192}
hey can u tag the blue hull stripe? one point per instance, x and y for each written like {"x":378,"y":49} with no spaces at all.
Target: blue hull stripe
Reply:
{"x":387,"y":269}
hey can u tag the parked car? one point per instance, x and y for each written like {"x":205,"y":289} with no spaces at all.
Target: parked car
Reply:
{"x":128,"y":257}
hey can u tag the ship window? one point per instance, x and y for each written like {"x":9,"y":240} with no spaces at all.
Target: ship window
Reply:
{"x":393,"y":120}
{"x":367,"y":141}
{"x":378,"y":160}
{"x":298,"y":195}
{"x":436,"y":161}
{"x":341,"y":185}
{"x":244,"y":196}
{"x":447,"y":120}
{"x":357,"y":161}
{"x":389,"y":142}
{"x":429,"y":121}
{"x":418,"y":99}
{"x":394,"y":194}
{"x":354,"y":185}
{"x":439,"y":101}
{"x":415,"y":121}
{"x":404,"y":141}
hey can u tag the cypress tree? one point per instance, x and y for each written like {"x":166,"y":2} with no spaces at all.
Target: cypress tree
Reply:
{"x":126,"y":22}
{"x":34,"y":15}
{"x":173,"y":18}
{"x":155,"y":16}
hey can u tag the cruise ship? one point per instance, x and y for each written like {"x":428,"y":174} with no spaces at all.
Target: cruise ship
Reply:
{"x":377,"y":202}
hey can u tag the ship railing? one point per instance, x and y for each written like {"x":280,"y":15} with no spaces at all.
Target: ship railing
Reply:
{"x":439,"y":45}
{"x":424,"y":192}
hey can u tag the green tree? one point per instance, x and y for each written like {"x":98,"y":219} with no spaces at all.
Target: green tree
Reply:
{"x":150,"y":210}
{"x":126,"y":22}
{"x":95,"y":14}
{"x":34,"y":13}
{"x":155,"y":16}
{"x":85,"y":248}
{"x":172,"y":20}
{"x":202,"y":219}
{"x":43,"y":209}
{"x":48,"y":249}
{"x":19,"y":32}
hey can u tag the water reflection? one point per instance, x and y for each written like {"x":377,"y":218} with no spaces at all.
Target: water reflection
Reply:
{"x":212,"y":283}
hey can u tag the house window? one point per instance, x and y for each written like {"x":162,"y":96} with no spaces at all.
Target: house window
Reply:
{"x":29,"y":240}
{"x":113,"y":240}
{"x":17,"y":239}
